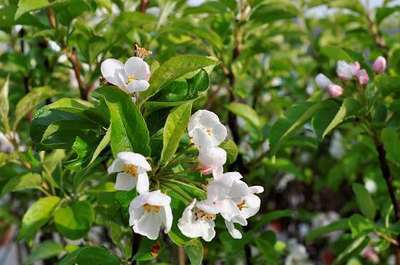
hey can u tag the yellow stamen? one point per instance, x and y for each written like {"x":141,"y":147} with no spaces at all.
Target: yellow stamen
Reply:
{"x":200,"y":214}
{"x":131,"y":170}
{"x":209,"y":131}
{"x":242,"y":205}
{"x":151,"y":208}
{"x":131,"y":78}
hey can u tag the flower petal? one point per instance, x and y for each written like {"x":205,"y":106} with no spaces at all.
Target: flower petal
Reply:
{"x":167,"y":219}
{"x":142,"y":185}
{"x":252,"y":206}
{"x":116,"y":166}
{"x":212,"y":157}
{"x":148,"y":225}
{"x":137,"y":86}
{"x":256,"y":189}
{"x":125,"y":182}
{"x":232,"y":230}
{"x":137,"y":68}
{"x":135,"y":159}
{"x":134,"y":214}
{"x":113,"y":71}
{"x":158,"y":198}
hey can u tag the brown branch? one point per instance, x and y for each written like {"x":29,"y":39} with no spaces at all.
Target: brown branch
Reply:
{"x":376,"y":33}
{"x":181,"y":256}
{"x":143,"y":5}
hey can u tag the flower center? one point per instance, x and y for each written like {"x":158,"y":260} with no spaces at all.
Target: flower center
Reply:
{"x":242,"y":205}
{"x":131,"y":170}
{"x":200,"y":214}
{"x":209,"y":131}
{"x":148,"y":208}
{"x":131,"y":78}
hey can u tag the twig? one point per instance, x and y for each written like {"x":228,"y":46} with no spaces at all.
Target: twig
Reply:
{"x":181,"y":256}
{"x":143,"y":5}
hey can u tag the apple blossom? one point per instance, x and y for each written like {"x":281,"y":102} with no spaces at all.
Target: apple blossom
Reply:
{"x":211,"y":159}
{"x":322,"y":81}
{"x":205,"y":129}
{"x":150,"y":211}
{"x":5,"y":145}
{"x":198,"y":220}
{"x":362,"y":77}
{"x":132,"y":171}
{"x":379,"y":65}
{"x":133,"y":76}
{"x":346,"y":71}
{"x":335,"y":90}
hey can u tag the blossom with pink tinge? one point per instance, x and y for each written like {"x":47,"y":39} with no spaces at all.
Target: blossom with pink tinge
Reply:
{"x":379,"y":65}
{"x":335,"y":90}
{"x":362,"y":77}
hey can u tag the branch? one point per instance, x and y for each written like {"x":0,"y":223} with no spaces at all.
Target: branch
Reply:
{"x":143,"y":5}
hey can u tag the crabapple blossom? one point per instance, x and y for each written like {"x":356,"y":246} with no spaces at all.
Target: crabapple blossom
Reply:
{"x":211,"y":159}
{"x":379,"y":65}
{"x":335,"y":90}
{"x":346,"y":71}
{"x":322,"y":81}
{"x":362,"y":77}
{"x":150,"y":211}
{"x":133,"y":76}
{"x":198,"y":220}
{"x":132,"y":171}
{"x":205,"y":129}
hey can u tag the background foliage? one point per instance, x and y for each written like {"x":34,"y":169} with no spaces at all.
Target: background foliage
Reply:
{"x":330,"y":167}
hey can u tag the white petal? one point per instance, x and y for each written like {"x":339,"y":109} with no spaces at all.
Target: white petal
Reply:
{"x":158,"y":198}
{"x":252,"y":206}
{"x":232,"y":230}
{"x":139,"y":201}
{"x":256,"y":189}
{"x":113,"y":71}
{"x":134,"y":214}
{"x":125,"y":181}
{"x":219,"y":133}
{"x":202,"y":118}
{"x":322,"y":81}
{"x":167,"y":218}
{"x":137,"y":68}
{"x":228,"y":209}
{"x":142,"y":185}
{"x":207,"y":206}
{"x":148,"y":225}
{"x":135,"y":159}
{"x":212,"y":157}
{"x":201,"y":138}
{"x":116,"y":166}
{"x":137,"y":86}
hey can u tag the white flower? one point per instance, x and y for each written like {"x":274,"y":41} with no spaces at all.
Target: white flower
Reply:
{"x":206,"y":130}
{"x":5,"y":145}
{"x":234,"y":199}
{"x":150,"y":211}
{"x":297,"y":254}
{"x":322,"y":81}
{"x":345,"y":71}
{"x":133,"y":76}
{"x":198,"y":220}
{"x":132,"y":171}
{"x":211,"y":159}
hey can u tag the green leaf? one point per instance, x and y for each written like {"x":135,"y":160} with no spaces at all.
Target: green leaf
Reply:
{"x":90,"y":255}
{"x":231,"y":150}
{"x":29,"y":102}
{"x":353,"y":249}
{"x":74,"y":220}
{"x":384,"y":12}
{"x":348,"y":108}
{"x":37,"y":216}
{"x":22,"y":182}
{"x":391,"y":142}
{"x":246,"y":112}
{"x":324,"y":116}
{"x":174,"y":129}
{"x":102,"y":145}
{"x":172,"y":69}
{"x":364,"y":201}
{"x":295,"y":118}
{"x":25,"y":6}
{"x":4,"y":104}
{"x":268,"y":217}
{"x":273,"y":10}
{"x":194,"y":250}
{"x":360,"y":226}
{"x":45,"y":250}
{"x":128,"y":128}
{"x":336,"y":53}
{"x":341,"y":224}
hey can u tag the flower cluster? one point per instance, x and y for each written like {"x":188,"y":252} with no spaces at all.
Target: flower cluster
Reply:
{"x":346,"y":72}
{"x":227,"y":194}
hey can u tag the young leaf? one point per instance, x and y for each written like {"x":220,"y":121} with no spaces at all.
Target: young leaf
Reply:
{"x":231,"y":150}
{"x":45,"y":250}
{"x":4,"y":104}
{"x":341,"y":224}
{"x":353,"y":249}
{"x":74,"y":221}
{"x":29,"y":102}
{"x":324,"y":116}
{"x":172,"y":69}
{"x":194,"y":250}
{"x":273,"y":10}
{"x":128,"y":128}
{"x":174,"y":129}
{"x":25,"y":6}
{"x":391,"y":142}
{"x":336,"y":53}
{"x":246,"y":112}
{"x":37,"y":216}
{"x":103,"y":144}
{"x":364,"y":201}
{"x":22,"y":182}
{"x":90,"y":255}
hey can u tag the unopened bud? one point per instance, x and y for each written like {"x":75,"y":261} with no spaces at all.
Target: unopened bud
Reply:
{"x":322,"y":81}
{"x":345,"y":70}
{"x":335,"y":90}
{"x":362,"y":77}
{"x":379,"y":65}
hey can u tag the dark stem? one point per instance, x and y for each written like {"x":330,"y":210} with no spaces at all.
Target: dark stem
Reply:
{"x":136,"y":238}
{"x":143,"y":5}
{"x":181,"y":256}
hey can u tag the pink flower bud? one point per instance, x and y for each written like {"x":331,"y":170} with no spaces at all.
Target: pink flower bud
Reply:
{"x":362,"y":77}
{"x":322,"y":81}
{"x":345,"y":70}
{"x":379,"y":65}
{"x":355,"y":67}
{"x":335,"y":90}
